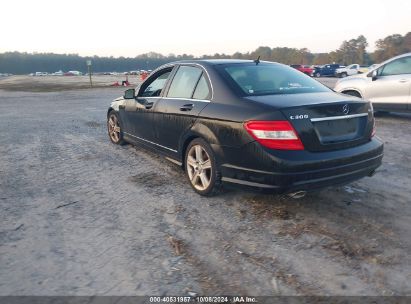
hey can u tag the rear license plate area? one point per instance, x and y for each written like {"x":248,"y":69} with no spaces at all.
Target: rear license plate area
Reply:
{"x":339,"y":130}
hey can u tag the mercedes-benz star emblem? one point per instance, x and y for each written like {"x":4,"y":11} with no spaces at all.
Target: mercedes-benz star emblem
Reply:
{"x":346,"y":109}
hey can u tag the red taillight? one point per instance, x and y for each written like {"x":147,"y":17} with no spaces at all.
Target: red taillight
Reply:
{"x":278,"y":135}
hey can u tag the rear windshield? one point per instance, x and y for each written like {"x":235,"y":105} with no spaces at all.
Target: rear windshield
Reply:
{"x":269,"y":79}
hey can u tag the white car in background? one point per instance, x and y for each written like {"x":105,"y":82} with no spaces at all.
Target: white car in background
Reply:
{"x":58,"y":73}
{"x":388,"y":86}
{"x":352,"y":69}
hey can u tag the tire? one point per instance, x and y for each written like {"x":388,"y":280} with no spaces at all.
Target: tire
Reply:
{"x":343,"y":75}
{"x":352,"y":93}
{"x":114,"y":128}
{"x":201,"y":168}
{"x":318,"y":75}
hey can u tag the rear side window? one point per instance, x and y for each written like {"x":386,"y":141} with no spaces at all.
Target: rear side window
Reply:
{"x":397,"y":67}
{"x":269,"y":79}
{"x":202,"y":90}
{"x":184,"y":82}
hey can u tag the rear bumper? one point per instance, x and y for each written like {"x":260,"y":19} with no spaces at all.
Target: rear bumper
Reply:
{"x":288,"y":171}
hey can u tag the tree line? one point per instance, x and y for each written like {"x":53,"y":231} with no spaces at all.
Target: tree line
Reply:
{"x":350,"y":51}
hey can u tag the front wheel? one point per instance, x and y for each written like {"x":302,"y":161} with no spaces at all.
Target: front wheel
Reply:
{"x":318,"y":75}
{"x":114,"y":128}
{"x":201,"y":168}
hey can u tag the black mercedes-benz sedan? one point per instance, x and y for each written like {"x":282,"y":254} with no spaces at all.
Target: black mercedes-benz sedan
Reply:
{"x":250,"y":123}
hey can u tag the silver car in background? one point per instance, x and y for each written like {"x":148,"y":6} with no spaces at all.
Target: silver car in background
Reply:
{"x":387,"y":86}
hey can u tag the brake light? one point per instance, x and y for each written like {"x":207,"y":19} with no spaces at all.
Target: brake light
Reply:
{"x":278,"y":135}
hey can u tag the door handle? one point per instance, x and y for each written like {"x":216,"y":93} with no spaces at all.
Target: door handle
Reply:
{"x":403,"y":80}
{"x":148,"y":105}
{"x":187,"y":107}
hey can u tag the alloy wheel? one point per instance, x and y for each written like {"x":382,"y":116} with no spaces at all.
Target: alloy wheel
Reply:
{"x":199,"y":167}
{"x":114,"y":128}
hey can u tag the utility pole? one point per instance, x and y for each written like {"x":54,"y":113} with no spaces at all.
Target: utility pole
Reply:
{"x":89,"y":71}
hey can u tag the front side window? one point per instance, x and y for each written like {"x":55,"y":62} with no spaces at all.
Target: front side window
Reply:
{"x":155,"y":87}
{"x":184,"y":82}
{"x":269,"y":79}
{"x":397,"y":67}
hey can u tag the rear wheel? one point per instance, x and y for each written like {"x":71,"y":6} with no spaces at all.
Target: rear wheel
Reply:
{"x":114,"y":129}
{"x":352,"y":93}
{"x":201,"y":168}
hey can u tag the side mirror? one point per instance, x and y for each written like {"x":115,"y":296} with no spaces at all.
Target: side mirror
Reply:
{"x":374,"y":75}
{"x":130,"y":94}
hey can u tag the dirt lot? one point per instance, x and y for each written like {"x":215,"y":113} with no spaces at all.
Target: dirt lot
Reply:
{"x":81,"y":216}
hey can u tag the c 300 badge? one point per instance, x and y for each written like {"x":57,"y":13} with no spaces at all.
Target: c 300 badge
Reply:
{"x":299,"y":116}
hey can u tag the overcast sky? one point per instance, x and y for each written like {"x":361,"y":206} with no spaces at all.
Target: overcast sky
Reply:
{"x":131,"y":27}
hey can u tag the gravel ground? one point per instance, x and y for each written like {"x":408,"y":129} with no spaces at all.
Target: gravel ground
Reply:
{"x":81,"y":216}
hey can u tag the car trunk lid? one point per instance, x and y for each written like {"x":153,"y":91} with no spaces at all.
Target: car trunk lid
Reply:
{"x":333,"y":126}
{"x":327,"y":121}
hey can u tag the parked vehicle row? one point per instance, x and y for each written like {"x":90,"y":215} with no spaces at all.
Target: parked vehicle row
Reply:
{"x":248,"y":123}
{"x":58,"y":73}
{"x":387,"y":86}
{"x":319,"y":71}
{"x":138,"y":72}
{"x":331,"y":70}
{"x":78,"y":73}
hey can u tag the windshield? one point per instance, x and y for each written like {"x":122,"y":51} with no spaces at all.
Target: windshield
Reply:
{"x":268,"y":79}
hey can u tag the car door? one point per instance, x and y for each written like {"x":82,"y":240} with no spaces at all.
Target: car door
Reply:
{"x":187,"y":95}
{"x":137,"y":115}
{"x":390,"y":89}
{"x":327,"y":70}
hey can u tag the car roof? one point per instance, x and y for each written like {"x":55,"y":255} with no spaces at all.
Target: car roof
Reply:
{"x":402,"y":55}
{"x":217,"y":61}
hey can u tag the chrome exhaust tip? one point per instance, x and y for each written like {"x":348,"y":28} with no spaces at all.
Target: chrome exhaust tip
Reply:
{"x":297,"y":195}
